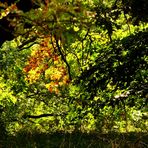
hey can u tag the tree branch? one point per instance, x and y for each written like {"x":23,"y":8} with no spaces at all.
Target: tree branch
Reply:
{"x":21,"y":47}
{"x":64,"y":59}
{"x":41,"y":115}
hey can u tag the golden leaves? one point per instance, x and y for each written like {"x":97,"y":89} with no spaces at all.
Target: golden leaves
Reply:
{"x":8,"y":9}
{"x":38,"y":65}
{"x":58,"y":76}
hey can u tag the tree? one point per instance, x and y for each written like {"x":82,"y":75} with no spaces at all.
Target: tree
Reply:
{"x":69,"y":60}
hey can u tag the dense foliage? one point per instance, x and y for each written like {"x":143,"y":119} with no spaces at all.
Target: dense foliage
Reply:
{"x":73,"y":65}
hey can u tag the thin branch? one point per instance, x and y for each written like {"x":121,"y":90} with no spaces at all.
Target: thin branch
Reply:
{"x":63,"y":58}
{"x":21,"y":47}
{"x":87,"y":33}
{"x":42,"y":115}
{"x":77,"y":59}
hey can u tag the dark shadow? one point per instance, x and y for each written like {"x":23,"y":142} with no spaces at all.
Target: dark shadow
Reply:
{"x":75,"y":140}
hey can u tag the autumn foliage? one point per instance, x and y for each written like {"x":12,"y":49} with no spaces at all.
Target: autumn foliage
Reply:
{"x":7,"y":9}
{"x":45,"y":63}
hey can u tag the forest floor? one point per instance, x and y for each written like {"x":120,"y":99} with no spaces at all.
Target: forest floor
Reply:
{"x":75,"y":140}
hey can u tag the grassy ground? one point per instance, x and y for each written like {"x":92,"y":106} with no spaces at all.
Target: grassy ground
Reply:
{"x":75,"y":140}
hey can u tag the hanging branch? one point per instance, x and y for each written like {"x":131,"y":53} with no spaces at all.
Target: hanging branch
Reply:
{"x":64,"y":59}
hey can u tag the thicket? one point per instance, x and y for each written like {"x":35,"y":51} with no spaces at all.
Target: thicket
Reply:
{"x":73,"y":70}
